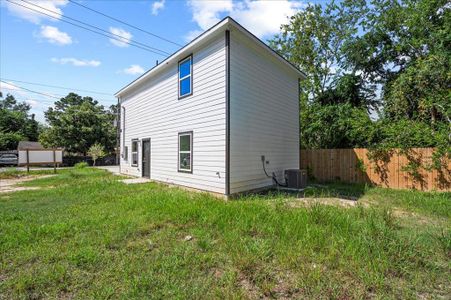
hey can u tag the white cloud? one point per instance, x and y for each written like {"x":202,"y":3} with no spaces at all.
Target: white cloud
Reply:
{"x":207,"y":13}
{"x":262,"y":18}
{"x":125,"y":37}
{"x":8,"y":86}
{"x":157,"y":6}
{"x":49,"y":7}
{"x":133,"y":70}
{"x":76,"y":62}
{"x":193,"y":34}
{"x":55,"y":36}
{"x":32,"y":103}
{"x":28,"y":97}
{"x":11,"y":88}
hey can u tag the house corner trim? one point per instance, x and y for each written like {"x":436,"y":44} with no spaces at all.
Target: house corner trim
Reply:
{"x":227,"y":96}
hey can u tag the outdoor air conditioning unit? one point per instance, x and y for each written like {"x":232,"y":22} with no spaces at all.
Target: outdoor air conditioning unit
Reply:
{"x":296,"y":179}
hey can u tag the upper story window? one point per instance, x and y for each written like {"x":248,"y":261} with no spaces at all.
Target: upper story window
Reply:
{"x":185,"y":77}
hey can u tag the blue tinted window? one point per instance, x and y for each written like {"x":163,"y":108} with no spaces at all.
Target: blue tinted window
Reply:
{"x":185,"y":77}
{"x":185,"y":68}
{"x":185,"y":86}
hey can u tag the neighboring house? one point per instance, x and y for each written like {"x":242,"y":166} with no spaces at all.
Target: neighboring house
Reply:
{"x":204,"y":117}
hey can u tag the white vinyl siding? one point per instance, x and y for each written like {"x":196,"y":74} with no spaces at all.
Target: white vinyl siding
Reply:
{"x":154,"y":111}
{"x":264,"y":116}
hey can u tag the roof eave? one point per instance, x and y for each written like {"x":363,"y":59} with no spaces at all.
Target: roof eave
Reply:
{"x":174,"y":56}
{"x":269,"y":49}
{"x":227,"y":21}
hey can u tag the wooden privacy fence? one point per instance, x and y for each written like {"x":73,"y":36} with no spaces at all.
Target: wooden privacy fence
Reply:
{"x":394,"y":171}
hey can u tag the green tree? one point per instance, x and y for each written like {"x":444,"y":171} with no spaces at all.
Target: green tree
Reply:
{"x":313,"y":40}
{"x":355,"y":50}
{"x":421,"y":92}
{"x":76,"y":123}
{"x":349,"y":88}
{"x":406,"y":47}
{"x":16,"y":123}
{"x":332,"y":94}
{"x":96,"y":151}
{"x":336,"y":126}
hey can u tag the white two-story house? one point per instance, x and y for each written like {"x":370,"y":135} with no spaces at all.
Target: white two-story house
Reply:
{"x":221,"y":115}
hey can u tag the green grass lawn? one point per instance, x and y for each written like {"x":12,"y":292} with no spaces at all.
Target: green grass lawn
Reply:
{"x":87,"y":235}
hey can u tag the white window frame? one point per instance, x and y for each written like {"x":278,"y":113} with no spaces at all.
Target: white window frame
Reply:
{"x":179,"y":152}
{"x":135,"y":153}
{"x":190,"y":75}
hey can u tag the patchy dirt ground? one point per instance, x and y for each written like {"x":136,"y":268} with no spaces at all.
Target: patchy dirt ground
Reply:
{"x":302,"y":202}
{"x":11,"y":185}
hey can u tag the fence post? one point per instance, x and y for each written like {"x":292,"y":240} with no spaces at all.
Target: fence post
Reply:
{"x":28,"y":161}
{"x":54,"y":161}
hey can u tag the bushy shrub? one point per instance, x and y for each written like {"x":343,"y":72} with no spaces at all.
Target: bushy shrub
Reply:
{"x":81,"y":165}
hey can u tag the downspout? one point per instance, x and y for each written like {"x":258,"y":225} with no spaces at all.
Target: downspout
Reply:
{"x":227,"y":158}
{"x":299,"y":116}
{"x":118,"y":133}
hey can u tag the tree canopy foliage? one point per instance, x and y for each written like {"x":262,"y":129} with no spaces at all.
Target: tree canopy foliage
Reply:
{"x":76,"y":123}
{"x":387,"y":59}
{"x":16,"y":123}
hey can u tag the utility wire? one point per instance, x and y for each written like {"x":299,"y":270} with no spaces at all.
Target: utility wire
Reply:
{"x":125,"y":23}
{"x":56,"y":87}
{"x":23,"y":99}
{"x":111,"y":37}
{"x":31,"y":91}
{"x":122,"y":39}
{"x":55,"y":96}
{"x":42,"y":104}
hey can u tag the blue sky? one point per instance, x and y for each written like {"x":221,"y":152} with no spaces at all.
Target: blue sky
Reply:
{"x":40,"y":49}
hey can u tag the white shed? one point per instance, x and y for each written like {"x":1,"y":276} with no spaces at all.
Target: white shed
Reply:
{"x":33,"y":154}
{"x":205,"y":117}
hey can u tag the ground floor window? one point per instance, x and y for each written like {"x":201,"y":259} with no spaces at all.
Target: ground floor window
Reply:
{"x":185,"y":152}
{"x":125,"y":153}
{"x":134,"y":153}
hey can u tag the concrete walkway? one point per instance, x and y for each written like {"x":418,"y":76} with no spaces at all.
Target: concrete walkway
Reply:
{"x":115,"y":171}
{"x":136,"y":180}
{"x":112,"y":169}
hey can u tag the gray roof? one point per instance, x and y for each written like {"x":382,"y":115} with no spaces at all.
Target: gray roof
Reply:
{"x":24,"y":145}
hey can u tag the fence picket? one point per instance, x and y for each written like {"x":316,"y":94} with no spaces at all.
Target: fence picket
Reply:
{"x":341,"y":164}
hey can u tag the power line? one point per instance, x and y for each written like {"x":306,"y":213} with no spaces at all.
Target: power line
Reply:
{"x":125,"y":23}
{"x":55,"y":96}
{"x":28,"y":90}
{"x":121,"y":38}
{"x":23,"y":99}
{"x":111,"y":37}
{"x":57,"y":87}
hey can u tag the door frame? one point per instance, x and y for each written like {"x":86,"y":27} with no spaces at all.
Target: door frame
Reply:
{"x":142,"y":155}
